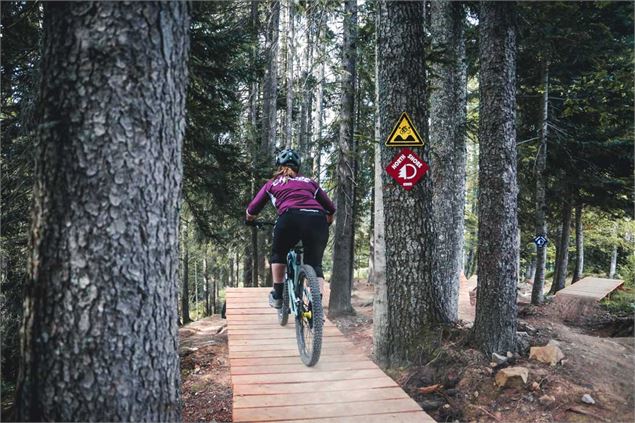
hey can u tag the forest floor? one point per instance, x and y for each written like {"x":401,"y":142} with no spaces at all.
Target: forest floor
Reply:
{"x":453,"y":381}
{"x":595,"y":363}
{"x":206,"y":389}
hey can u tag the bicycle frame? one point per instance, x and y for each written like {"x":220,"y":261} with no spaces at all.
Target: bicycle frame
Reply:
{"x":294,"y":261}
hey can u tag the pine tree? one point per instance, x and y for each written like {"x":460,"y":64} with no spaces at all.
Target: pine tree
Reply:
{"x":106,"y":204}
{"x":495,"y":323}
{"x":344,"y":238}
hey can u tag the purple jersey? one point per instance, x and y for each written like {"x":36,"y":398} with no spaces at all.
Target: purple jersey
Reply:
{"x":291,"y":193}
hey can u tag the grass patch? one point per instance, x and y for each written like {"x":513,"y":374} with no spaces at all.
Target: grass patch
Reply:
{"x":621,"y":302}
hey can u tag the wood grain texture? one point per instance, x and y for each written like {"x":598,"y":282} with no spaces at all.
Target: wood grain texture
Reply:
{"x":270,"y":383}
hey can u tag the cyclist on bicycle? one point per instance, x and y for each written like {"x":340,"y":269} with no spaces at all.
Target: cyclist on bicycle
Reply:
{"x":304,"y":213}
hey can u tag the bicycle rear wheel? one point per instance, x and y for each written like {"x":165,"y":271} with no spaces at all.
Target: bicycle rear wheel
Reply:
{"x":310,"y":318}
{"x":283,"y":313}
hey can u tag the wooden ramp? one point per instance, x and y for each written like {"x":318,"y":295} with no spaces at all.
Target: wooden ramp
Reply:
{"x":270,"y":382}
{"x":591,"y":288}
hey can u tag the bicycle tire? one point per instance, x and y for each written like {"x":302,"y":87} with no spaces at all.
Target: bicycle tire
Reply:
{"x":308,"y":331}
{"x":283,"y":313}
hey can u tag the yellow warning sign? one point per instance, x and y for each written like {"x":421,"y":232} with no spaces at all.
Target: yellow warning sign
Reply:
{"x":405,"y":134}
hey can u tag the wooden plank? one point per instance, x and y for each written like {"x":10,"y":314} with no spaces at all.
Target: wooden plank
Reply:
{"x":306,"y":376}
{"x":267,"y":361}
{"x":244,"y":311}
{"x":310,"y":387}
{"x":340,"y":345}
{"x":316,"y":411}
{"x":328,"y":397}
{"x":257,"y":333}
{"x":270,"y":383}
{"x":331,"y":339}
{"x":406,"y":417}
{"x":298,"y":367}
{"x":280,"y":335}
{"x":589,"y":287}
{"x":287,"y":352}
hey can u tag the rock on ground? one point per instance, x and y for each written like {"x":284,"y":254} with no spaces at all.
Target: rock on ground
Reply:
{"x":512,"y":377}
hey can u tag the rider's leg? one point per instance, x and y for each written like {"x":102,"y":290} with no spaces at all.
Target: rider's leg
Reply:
{"x":314,"y":239}
{"x":277,"y":273}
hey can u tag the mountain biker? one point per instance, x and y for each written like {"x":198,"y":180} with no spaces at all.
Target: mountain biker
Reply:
{"x":304,"y":213}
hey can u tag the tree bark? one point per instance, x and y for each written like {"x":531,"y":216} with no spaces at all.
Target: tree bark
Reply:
{"x":320,"y":121}
{"x":306,"y":86}
{"x":100,"y":320}
{"x":288,"y":121}
{"x":537,"y":292}
{"x":495,"y":323}
{"x":270,"y":85}
{"x":251,"y":250}
{"x":344,"y":239}
{"x":405,"y":302}
{"x":560,"y":275}
{"x":579,"y":245}
{"x":380,"y":298}
{"x":448,"y":87}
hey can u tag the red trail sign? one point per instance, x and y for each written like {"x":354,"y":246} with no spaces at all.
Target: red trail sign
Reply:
{"x":407,"y":168}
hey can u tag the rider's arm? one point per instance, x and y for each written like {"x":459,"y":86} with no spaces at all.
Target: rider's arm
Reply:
{"x":322,"y":197}
{"x":259,"y":201}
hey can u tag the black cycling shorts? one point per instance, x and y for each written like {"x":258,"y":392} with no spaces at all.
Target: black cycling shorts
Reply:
{"x":295,"y":225}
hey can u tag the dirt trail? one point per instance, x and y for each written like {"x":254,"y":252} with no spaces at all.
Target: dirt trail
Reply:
{"x":205,"y":381}
{"x":601,"y":367}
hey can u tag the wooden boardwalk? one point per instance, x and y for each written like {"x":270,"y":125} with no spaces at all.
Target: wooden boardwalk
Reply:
{"x":270,"y":383}
{"x":591,"y":288}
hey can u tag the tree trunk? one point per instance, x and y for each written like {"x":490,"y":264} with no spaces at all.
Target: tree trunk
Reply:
{"x":270,"y":85}
{"x":196,"y":289}
{"x":408,"y":291}
{"x":288,"y":122}
{"x":563,"y":249}
{"x":247,"y":267}
{"x":344,"y":238}
{"x":579,"y":245}
{"x":448,"y":153}
{"x":320,"y":121}
{"x":206,"y":286}
{"x":306,"y":87}
{"x":613,"y":267}
{"x":185,"y":277}
{"x":100,"y":319}
{"x":495,"y":323}
{"x":251,"y":250}
{"x":537,"y":292}
{"x":531,"y":270}
{"x":230,"y":273}
{"x":380,"y":298}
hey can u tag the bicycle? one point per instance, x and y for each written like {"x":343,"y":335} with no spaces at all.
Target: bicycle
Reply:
{"x":301,"y":298}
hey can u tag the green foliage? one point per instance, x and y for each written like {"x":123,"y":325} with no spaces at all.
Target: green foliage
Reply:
{"x":19,"y":58}
{"x":213,"y":154}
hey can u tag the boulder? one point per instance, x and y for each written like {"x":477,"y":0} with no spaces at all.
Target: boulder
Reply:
{"x":550,"y":354}
{"x":512,"y":377}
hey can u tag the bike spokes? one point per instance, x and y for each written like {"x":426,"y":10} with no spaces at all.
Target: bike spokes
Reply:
{"x":309,"y":317}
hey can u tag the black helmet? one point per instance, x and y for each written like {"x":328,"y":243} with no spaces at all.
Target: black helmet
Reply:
{"x":288,"y":157}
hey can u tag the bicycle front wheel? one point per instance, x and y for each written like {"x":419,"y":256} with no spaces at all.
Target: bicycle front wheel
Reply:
{"x":310,"y":317}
